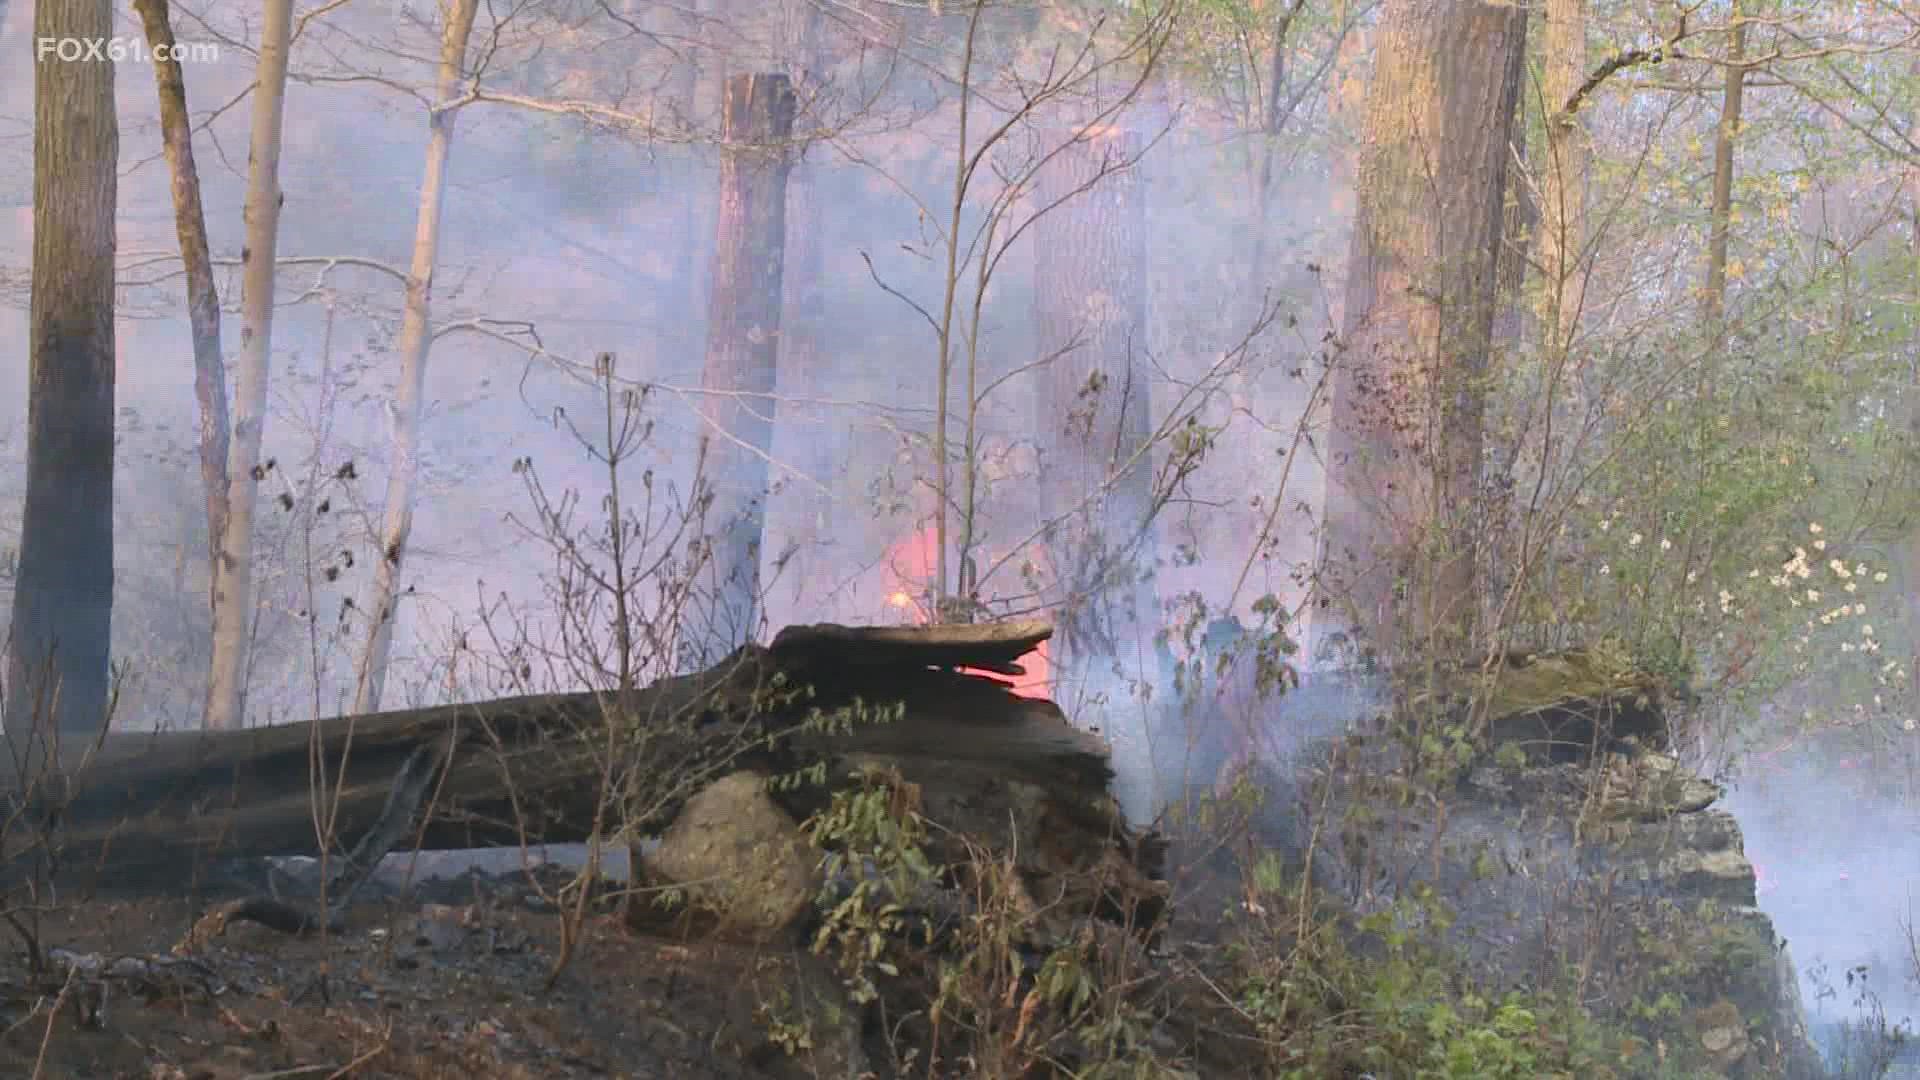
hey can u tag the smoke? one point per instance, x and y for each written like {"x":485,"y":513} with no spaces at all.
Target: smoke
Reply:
{"x":584,"y":239}
{"x":1834,"y":842}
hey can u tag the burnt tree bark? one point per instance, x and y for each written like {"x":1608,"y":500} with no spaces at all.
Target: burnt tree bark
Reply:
{"x":57,"y":676}
{"x":743,"y":341}
{"x":1422,"y":290}
{"x":1092,"y":411}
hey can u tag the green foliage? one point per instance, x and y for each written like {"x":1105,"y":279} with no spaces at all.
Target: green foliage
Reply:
{"x":873,"y":844}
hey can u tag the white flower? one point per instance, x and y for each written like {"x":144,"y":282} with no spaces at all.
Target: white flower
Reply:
{"x":1853,"y":586}
{"x":1634,"y":540}
{"x":1819,"y":545}
{"x":1880,"y":578}
{"x":1907,"y":723}
{"x":1666,"y":544}
{"x":1859,"y":609}
{"x":1754,"y":573}
{"x":1605,"y":569}
{"x":1861,"y":569}
{"x":1813,"y":527}
{"x":1846,"y":646}
{"x":1693,"y":576}
{"x":1866,"y":630}
{"x":1813,"y":596}
{"x":1605,"y":524}
{"x":1839,"y":568}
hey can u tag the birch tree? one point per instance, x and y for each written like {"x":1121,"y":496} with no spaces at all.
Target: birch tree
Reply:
{"x":57,"y":675}
{"x":416,"y":339}
{"x":234,"y":566}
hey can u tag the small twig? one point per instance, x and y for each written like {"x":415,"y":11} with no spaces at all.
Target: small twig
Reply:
{"x":53,"y":1013}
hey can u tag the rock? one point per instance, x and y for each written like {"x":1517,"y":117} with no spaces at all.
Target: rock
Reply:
{"x":1649,"y":787}
{"x":1723,"y":1033}
{"x":740,"y":858}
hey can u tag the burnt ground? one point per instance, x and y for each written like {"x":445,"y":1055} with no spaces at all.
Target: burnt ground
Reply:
{"x":449,"y":982}
{"x":446,"y":977}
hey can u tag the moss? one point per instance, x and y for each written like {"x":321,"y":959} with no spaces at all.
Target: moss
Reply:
{"x":1542,"y":681}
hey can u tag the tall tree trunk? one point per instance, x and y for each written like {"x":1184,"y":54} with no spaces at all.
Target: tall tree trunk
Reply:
{"x":203,"y":299}
{"x":743,"y":342}
{"x":1715,"y":298}
{"x":1563,"y":228}
{"x":1422,"y":290}
{"x":1093,"y":411}
{"x":233,"y":568}
{"x":416,"y":341}
{"x":57,"y":656}
{"x":797,"y":510}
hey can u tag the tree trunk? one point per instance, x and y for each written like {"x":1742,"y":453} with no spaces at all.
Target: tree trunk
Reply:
{"x":57,"y":673}
{"x":416,"y":340}
{"x":203,"y":299}
{"x":1715,"y":298}
{"x":1405,"y":444}
{"x":1563,"y":228}
{"x":798,"y":511}
{"x":743,"y":342}
{"x":153,"y":811}
{"x":233,"y":567}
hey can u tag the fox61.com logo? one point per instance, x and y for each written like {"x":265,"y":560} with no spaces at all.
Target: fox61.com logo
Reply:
{"x":117,"y":50}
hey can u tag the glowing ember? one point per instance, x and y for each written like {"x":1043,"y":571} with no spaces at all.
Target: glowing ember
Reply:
{"x":899,"y":599}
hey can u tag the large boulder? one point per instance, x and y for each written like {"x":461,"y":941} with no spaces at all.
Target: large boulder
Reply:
{"x":739,"y":859}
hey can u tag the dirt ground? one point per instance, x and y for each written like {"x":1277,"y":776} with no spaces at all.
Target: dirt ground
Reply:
{"x":450,"y":982}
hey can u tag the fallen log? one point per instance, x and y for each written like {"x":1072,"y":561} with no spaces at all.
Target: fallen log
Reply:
{"x":155,"y":812}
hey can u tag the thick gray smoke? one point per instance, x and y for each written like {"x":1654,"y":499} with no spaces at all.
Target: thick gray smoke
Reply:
{"x":1836,"y":853}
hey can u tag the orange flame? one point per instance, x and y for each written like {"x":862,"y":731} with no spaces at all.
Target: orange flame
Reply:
{"x":910,"y":564}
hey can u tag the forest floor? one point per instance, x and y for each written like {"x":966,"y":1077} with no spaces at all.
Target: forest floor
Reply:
{"x":452,"y":981}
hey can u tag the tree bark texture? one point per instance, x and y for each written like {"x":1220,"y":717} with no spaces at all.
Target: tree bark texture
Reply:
{"x":743,"y":343}
{"x":1421,"y":295}
{"x":233,"y":563}
{"x":57,"y":676}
